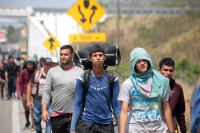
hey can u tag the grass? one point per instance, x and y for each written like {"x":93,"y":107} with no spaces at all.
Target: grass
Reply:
{"x":177,"y":37}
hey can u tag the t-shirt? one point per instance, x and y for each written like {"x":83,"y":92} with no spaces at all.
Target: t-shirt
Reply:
{"x":145,"y":115}
{"x":12,"y":70}
{"x":97,"y":102}
{"x":37,"y":99}
{"x":2,"y":71}
{"x":62,"y":82}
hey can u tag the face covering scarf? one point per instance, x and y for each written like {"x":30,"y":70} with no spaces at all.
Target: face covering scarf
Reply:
{"x":151,"y":84}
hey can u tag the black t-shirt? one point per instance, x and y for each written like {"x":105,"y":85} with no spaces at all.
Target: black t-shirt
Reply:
{"x":12,"y":70}
{"x":2,"y":71}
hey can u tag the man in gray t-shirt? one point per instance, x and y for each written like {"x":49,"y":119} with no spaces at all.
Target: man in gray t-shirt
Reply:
{"x":61,"y":80}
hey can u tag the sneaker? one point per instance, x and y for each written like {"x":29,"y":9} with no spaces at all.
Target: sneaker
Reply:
{"x":32,"y":128}
{"x":27,"y":126}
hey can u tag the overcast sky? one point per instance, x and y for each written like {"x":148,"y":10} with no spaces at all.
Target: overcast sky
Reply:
{"x":38,"y":3}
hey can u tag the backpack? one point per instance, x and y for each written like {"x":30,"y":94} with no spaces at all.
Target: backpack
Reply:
{"x":86,"y":79}
{"x":38,"y":74}
{"x":112,"y":54}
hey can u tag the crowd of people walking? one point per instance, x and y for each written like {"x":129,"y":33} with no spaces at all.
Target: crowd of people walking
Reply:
{"x":70,"y":100}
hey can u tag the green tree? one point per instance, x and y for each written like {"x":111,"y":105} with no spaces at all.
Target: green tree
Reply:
{"x":194,"y":3}
{"x":102,"y":3}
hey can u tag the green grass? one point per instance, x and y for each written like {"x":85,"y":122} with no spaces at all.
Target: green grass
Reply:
{"x":176,"y":37}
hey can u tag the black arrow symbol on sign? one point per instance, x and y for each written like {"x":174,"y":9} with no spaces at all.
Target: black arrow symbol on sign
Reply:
{"x":51,"y":40}
{"x":83,"y":18}
{"x":86,"y":3}
{"x":94,"y":8}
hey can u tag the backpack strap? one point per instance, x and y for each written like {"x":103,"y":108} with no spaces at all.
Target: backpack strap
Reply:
{"x":24,"y":72}
{"x":86,"y":79}
{"x":22,"y":86}
{"x":38,"y":74}
{"x":111,"y":80}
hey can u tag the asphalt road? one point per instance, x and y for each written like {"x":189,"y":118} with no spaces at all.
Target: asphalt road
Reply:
{"x":12,"y":119}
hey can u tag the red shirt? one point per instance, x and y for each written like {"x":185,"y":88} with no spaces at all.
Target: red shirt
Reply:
{"x":177,"y":105}
{"x":23,"y":80}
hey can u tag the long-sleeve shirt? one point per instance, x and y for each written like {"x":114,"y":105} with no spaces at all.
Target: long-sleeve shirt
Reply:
{"x":23,"y":80}
{"x":97,"y":102}
{"x":60,"y":84}
{"x":195,"y":121}
{"x":177,"y":105}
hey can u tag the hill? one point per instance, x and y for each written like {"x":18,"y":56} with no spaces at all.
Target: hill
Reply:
{"x":177,"y":37}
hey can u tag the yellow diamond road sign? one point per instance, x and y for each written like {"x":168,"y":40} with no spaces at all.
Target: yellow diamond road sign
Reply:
{"x":87,"y":13}
{"x":51,"y":44}
{"x":88,"y":37}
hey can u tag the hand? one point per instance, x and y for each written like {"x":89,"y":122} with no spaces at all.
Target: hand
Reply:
{"x":45,"y":116}
{"x":29,"y":104}
{"x":115,"y":122}
{"x":19,"y":96}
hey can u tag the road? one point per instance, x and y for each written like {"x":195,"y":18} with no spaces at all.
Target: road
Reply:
{"x":12,"y":119}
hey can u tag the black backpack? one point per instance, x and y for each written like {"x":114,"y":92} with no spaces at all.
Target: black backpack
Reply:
{"x":112,"y":54}
{"x":86,"y":79}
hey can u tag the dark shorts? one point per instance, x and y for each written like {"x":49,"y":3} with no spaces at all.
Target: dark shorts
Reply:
{"x":84,"y":127}
{"x":61,"y":124}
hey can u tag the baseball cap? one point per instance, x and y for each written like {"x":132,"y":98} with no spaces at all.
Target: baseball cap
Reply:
{"x":47,"y":60}
{"x":54,"y":59}
{"x":95,"y":48}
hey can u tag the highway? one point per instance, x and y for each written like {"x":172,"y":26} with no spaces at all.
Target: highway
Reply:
{"x":12,"y":119}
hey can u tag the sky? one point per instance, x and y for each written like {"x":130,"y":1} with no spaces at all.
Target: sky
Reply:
{"x":34,"y":3}
{"x":38,"y":3}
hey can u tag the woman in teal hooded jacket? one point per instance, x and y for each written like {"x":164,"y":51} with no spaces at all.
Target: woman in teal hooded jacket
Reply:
{"x":146,"y":93}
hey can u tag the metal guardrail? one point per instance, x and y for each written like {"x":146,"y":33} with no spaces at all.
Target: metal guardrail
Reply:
{"x":153,"y":10}
{"x":28,"y":11}
{"x":131,"y":10}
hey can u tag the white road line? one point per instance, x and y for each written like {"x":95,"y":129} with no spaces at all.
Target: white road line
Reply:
{"x":15,"y":117}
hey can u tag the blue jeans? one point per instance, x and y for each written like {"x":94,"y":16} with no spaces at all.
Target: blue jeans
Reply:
{"x":38,"y":118}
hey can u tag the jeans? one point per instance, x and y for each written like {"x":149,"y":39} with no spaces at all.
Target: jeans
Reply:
{"x":2,"y":88}
{"x":11,"y":86}
{"x":38,"y":118}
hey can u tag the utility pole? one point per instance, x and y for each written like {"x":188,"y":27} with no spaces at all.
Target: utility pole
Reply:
{"x":56,"y":34}
{"x":118,"y":29}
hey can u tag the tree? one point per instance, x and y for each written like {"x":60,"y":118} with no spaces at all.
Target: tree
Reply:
{"x":194,"y":3}
{"x":102,"y":3}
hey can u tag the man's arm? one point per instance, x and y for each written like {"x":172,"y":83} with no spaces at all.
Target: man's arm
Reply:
{"x":180,"y":114}
{"x":46,"y":95}
{"x":192,"y":98}
{"x":123,"y":117}
{"x":168,"y":116}
{"x":45,"y":114}
{"x":78,"y":104}
{"x":195,"y":120}
{"x":19,"y":83}
{"x":116,"y":105}
{"x":6,"y":76}
{"x":28,"y":96}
